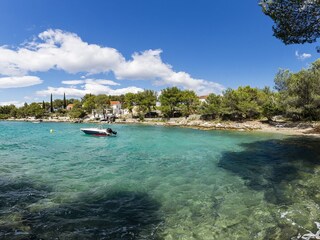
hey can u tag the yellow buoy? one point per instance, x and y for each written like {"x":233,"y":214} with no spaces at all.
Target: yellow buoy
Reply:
{"x":51,"y":130}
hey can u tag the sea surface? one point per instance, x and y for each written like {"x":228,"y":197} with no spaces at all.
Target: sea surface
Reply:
{"x":153,"y":182}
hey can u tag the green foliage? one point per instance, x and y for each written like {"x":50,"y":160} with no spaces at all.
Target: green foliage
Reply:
{"x":51,"y":104}
{"x":301,"y":95}
{"x":170,"y":100}
{"x":101,"y":101}
{"x":64,"y":101}
{"x":212,"y":105}
{"x":296,"y":21}
{"x":243,"y":103}
{"x":4,"y":116}
{"x":189,"y":102}
{"x":146,"y":101}
{"x":58,"y":104}
{"x":119,"y":98}
{"x":6,"y":110}
{"x":270,"y":103}
{"x":89,"y":103}
{"x":130,"y":101}
{"x":34,"y":110}
{"x":77,"y":111}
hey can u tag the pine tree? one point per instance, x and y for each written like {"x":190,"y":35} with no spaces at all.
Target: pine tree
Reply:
{"x":64,"y":101}
{"x":51,"y":104}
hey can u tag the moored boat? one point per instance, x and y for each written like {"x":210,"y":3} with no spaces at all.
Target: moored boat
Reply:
{"x":99,"y":131}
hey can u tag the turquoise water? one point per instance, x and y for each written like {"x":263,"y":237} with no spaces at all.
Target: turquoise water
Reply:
{"x":155,"y":183}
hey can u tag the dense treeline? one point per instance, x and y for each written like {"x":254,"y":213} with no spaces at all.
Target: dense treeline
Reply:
{"x":295,"y":96}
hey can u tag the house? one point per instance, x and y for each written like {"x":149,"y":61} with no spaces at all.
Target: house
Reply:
{"x":116,"y":107}
{"x":203,"y":99}
{"x":69,"y":106}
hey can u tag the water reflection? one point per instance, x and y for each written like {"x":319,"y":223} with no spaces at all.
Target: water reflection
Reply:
{"x":117,"y":215}
{"x":272,"y":165}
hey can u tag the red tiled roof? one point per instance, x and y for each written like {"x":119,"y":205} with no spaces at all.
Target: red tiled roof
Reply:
{"x":203,"y":97}
{"x":114,"y":102}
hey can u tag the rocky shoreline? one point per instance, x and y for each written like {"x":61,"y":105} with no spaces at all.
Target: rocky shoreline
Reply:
{"x":288,"y":128}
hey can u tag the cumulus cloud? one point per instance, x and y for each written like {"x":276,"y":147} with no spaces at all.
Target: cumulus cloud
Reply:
{"x":98,"y":81}
{"x":60,"y":50}
{"x":88,"y":86}
{"x":302,"y":56}
{"x":93,"y":89}
{"x":148,"y":65}
{"x":18,"y":82}
{"x":79,"y":88}
{"x":73,"y":82}
{"x":144,"y":66}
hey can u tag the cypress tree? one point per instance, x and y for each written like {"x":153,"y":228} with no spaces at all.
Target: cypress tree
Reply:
{"x":43,"y":105}
{"x":64,"y":101}
{"x":51,"y":104}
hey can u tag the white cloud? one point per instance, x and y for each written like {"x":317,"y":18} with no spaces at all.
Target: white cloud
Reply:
{"x":144,"y":66}
{"x":57,"y":49}
{"x":148,"y":65}
{"x":73,"y":82}
{"x":18,"y":82}
{"x":90,"y":80}
{"x":105,"y":82}
{"x":88,"y":88}
{"x":16,"y":103}
{"x":302,"y":56}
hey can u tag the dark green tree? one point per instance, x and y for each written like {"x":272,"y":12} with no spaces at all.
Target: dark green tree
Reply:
{"x":34,"y":110}
{"x":300,"y":94}
{"x":296,"y":21}
{"x":5,"y":111}
{"x":58,"y":104}
{"x":189,"y":102}
{"x":77,"y":111}
{"x":170,"y":100}
{"x":64,"y":101}
{"x":211,"y":108}
{"x":89,"y":103}
{"x":146,"y":101}
{"x":130,"y":101}
{"x":242,"y":103}
{"x":51,"y":104}
{"x":101,"y":101}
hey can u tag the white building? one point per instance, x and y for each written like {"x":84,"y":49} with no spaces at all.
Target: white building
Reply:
{"x":203,"y":99}
{"x":116,"y":107}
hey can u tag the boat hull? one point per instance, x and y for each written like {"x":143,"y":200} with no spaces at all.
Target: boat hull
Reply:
{"x":96,"y":132}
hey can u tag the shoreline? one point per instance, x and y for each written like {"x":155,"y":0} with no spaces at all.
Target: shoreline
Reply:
{"x":296,"y":129}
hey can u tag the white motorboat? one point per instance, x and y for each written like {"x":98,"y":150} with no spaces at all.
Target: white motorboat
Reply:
{"x":99,"y":131}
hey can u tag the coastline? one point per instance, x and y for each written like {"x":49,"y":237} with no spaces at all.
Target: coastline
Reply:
{"x":299,"y":128}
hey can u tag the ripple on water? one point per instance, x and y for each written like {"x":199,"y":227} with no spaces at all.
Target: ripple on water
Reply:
{"x":155,"y":183}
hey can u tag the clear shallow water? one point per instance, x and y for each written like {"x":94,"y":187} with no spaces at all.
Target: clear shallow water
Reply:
{"x":155,"y":183}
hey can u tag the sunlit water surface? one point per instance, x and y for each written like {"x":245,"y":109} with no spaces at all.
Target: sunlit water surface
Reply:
{"x":155,"y":183}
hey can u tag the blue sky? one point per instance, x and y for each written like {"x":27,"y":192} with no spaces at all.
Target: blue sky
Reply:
{"x":119,"y":46}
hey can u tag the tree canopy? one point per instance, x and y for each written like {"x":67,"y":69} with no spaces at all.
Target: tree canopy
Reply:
{"x":300,"y":92}
{"x":296,"y":21}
